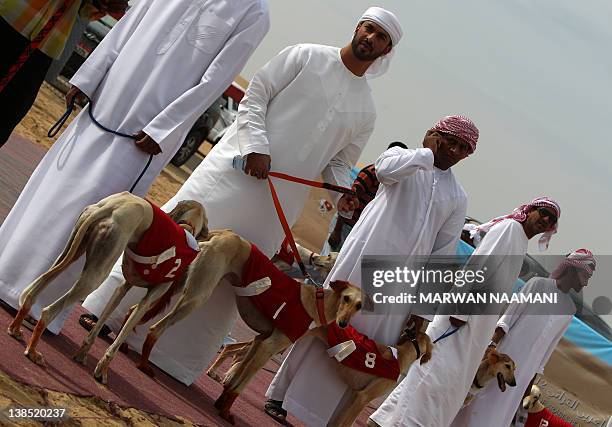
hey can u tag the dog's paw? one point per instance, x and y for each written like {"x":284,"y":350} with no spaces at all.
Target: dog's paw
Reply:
{"x":147,"y":369}
{"x":101,"y":374}
{"x":15,"y":333}
{"x":80,"y":357}
{"x":35,"y":357}
{"x":214,"y":376}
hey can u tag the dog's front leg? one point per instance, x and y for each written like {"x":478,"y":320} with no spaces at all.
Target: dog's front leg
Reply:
{"x":346,"y":416}
{"x":228,"y":350}
{"x":81,"y":355}
{"x":255,"y":359}
{"x":101,"y":371}
{"x":199,"y":285}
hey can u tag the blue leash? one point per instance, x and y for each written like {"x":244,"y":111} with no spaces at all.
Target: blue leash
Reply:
{"x":58,"y":125}
{"x":446,"y":334}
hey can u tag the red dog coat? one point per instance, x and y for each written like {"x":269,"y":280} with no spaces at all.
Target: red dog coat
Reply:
{"x":366,"y":357}
{"x":545,"y":418}
{"x":281,"y":302}
{"x":163,"y":253}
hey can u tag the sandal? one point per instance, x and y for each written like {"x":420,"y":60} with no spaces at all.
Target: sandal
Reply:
{"x":274,"y":408}
{"x":88,"y":321}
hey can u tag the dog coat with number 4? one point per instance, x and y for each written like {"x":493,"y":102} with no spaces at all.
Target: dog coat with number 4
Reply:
{"x":364,"y":355}
{"x":280,"y":300}
{"x":164,"y":251}
{"x":545,"y":418}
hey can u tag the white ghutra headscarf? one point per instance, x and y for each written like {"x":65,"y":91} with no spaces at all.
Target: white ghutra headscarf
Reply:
{"x":389,"y":22}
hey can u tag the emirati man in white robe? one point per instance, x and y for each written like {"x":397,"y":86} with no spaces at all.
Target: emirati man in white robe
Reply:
{"x":308,"y":112}
{"x":432,"y":394}
{"x":419,"y":209}
{"x":160,"y":67}
{"x":529,"y":333}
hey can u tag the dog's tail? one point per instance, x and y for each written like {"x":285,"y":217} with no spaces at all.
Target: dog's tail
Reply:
{"x":428,"y":350}
{"x":163,"y":302}
{"x":71,"y":251}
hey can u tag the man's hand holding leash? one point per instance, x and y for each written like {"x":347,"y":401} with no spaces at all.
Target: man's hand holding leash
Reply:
{"x":145,"y":143}
{"x":457,"y":323}
{"x":257,"y":165}
{"x":75,"y":96}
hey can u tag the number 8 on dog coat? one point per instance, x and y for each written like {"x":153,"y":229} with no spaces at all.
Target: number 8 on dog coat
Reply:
{"x":365,"y":356}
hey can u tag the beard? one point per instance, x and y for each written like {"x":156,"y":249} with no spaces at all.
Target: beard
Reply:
{"x":363,"y":56}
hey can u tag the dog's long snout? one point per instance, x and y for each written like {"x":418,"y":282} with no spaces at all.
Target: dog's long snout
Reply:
{"x":527,"y":403}
{"x":511,"y":382}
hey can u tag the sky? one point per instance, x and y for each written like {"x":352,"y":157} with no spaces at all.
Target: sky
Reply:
{"x":535,"y":77}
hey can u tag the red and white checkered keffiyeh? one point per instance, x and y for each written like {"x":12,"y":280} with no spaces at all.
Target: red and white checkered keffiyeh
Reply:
{"x":461,"y":127}
{"x":581,"y":258}
{"x":520,"y":215}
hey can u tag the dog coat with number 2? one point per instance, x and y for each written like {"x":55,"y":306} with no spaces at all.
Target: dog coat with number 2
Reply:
{"x":364,"y":356}
{"x":165,"y":250}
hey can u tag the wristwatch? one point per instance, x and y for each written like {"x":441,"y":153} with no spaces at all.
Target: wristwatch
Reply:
{"x":492,"y":344}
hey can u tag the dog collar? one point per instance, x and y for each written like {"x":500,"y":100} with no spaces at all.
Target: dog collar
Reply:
{"x":416,"y":346}
{"x":311,"y":257}
{"x":475,"y":383}
{"x":414,"y":342}
{"x":319,"y":295}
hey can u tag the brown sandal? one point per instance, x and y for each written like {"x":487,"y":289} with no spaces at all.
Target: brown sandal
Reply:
{"x":88,"y":321}
{"x":274,"y":408}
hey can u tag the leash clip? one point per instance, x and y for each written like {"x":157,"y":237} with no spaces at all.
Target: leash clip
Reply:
{"x":310,"y":281}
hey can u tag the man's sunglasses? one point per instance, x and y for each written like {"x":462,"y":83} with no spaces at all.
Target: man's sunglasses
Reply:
{"x":552,"y":218}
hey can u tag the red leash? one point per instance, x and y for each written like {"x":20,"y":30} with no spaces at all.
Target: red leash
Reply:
{"x":315,"y":184}
{"x":238,"y":163}
{"x":34,"y":44}
{"x":289,"y":236}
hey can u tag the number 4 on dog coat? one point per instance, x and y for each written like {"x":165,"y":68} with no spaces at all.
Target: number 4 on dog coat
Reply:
{"x":165,"y":250}
{"x":281,"y":302}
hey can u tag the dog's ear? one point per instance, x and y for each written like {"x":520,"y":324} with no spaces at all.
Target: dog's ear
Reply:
{"x":204,"y":231}
{"x":338,"y":285}
{"x":183,"y":207}
{"x":179,"y":210}
{"x":367,"y":302}
{"x":493,"y":356}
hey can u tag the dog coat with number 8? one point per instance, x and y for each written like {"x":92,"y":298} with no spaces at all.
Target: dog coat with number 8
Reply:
{"x":364,"y":355}
{"x":279,"y":301}
{"x":165,"y":250}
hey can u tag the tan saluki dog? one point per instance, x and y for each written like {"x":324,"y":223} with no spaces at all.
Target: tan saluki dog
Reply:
{"x":223,"y":256}
{"x":493,"y":366}
{"x":102,"y":232}
{"x":321,"y":263}
{"x":365,"y":387}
